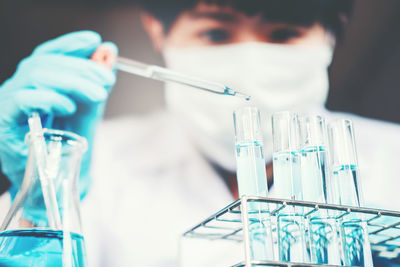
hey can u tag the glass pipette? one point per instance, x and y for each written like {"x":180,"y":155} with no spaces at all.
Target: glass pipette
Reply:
{"x":40,"y":152}
{"x":108,"y":58}
{"x":163,"y":74}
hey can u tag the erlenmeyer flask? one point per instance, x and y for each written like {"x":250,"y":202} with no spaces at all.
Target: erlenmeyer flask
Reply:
{"x":42,"y":227}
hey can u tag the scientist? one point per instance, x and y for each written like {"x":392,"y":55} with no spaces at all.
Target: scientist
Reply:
{"x":145,"y":180}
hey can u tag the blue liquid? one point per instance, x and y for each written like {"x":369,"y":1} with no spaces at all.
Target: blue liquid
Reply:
{"x":291,"y":239}
{"x":324,"y":240}
{"x":252,"y":181}
{"x":291,"y":223}
{"x":356,"y":247}
{"x":287,"y":179}
{"x":323,"y":237}
{"x":39,"y":248}
{"x":346,"y":188}
{"x":261,"y":244}
{"x":313,"y":176}
{"x":251,"y":172}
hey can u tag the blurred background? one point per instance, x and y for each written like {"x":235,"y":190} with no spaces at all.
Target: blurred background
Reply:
{"x":365,"y":74}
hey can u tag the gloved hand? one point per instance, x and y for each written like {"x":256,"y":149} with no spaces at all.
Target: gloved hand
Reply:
{"x":58,"y":79}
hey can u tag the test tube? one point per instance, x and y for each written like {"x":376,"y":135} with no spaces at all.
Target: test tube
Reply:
{"x":344,"y":165}
{"x":321,"y":235}
{"x":313,"y":157}
{"x":287,"y":183}
{"x":346,"y":190}
{"x":252,"y":179}
{"x":251,"y":171}
{"x":286,"y":162}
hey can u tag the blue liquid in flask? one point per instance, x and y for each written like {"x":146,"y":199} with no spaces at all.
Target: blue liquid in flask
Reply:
{"x":39,"y":248}
{"x":252,"y":181}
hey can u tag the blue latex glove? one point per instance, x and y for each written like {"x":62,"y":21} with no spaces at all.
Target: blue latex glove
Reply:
{"x":58,"y":79}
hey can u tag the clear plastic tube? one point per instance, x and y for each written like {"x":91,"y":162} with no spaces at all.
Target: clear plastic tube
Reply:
{"x":252,"y":179}
{"x":287,"y":183}
{"x":251,"y":171}
{"x":313,"y":157}
{"x":286,"y":162}
{"x":346,"y":190}
{"x":322,"y":237}
{"x":344,"y":164}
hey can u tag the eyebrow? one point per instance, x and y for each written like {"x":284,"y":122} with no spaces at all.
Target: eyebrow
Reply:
{"x":220,"y":16}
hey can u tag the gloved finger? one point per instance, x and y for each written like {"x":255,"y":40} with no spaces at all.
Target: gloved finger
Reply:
{"x":46,"y":101}
{"x":111,"y":46}
{"x":82,"y":78}
{"x":66,"y":64}
{"x":80,"y":44}
{"x":106,"y":55}
{"x":78,"y":88}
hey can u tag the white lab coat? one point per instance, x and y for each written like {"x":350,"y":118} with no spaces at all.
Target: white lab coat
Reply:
{"x":150,"y":184}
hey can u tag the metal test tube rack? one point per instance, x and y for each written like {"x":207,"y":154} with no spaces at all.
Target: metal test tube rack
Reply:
{"x":232,"y":223}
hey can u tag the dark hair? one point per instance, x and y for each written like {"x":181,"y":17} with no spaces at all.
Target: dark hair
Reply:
{"x":332,"y":14}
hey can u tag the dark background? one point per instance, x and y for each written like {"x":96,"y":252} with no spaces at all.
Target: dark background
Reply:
{"x":365,"y":74}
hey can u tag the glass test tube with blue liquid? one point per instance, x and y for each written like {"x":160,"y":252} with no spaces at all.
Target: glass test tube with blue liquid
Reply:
{"x":346,"y":190}
{"x":28,"y":236}
{"x":287,"y":185}
{"x":322,"y":239}
{"x":252,"y":179}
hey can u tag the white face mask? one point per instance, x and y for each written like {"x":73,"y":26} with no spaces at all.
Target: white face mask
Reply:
{"x":278,"y":77}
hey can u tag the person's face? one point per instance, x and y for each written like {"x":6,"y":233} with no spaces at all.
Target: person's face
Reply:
{"x":208,"y":25}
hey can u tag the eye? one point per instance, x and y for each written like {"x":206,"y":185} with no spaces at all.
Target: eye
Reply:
{"x":216,"y":35}
{"x":283,"y":35}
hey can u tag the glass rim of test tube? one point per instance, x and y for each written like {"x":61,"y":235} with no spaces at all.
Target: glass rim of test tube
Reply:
{"x":285,"y":123}
{"x":247,"y":124}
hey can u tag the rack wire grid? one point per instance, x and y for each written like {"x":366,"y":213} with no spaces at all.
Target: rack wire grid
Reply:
{"x":232,"y":223}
